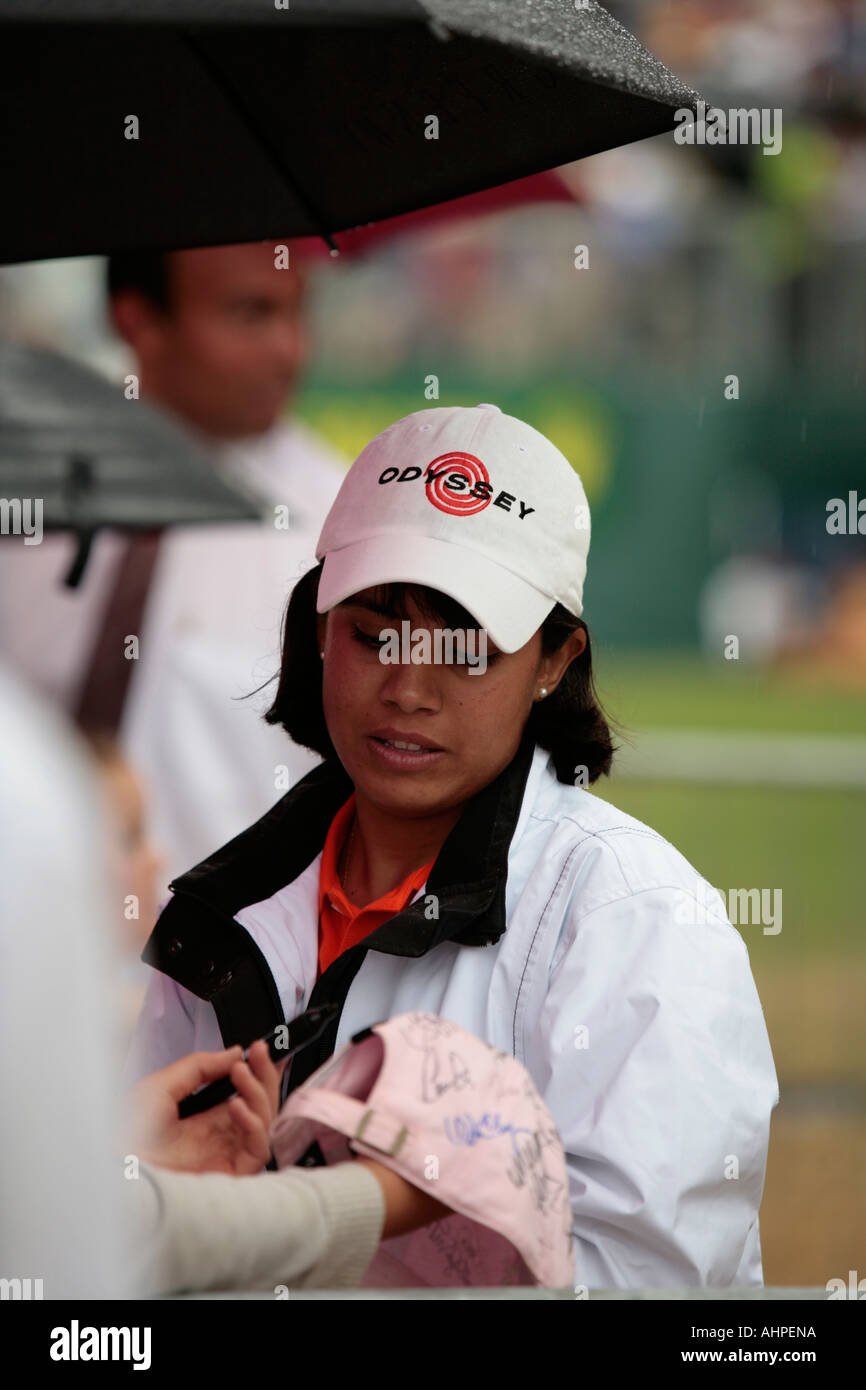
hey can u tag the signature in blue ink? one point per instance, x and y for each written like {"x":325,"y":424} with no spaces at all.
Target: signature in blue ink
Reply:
{"x":467,"y":1130}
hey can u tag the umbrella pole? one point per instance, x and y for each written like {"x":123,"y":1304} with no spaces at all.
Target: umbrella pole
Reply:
{"x":82,"y":555}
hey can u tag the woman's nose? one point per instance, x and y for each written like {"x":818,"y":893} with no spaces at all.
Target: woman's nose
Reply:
{"x":412,"y":685}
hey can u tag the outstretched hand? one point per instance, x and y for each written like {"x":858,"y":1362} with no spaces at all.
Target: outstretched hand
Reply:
{"x":233,"y":1137}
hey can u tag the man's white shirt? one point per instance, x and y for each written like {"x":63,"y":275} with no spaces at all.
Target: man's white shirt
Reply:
{"x":210,"y":635}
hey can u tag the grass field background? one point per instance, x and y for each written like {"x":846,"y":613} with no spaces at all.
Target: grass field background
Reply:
{"x":811,"y":976}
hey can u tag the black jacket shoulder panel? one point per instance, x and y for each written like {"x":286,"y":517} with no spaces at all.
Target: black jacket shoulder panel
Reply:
{"x":197,"y":942}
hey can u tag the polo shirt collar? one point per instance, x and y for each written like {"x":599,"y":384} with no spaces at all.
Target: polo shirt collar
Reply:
{"x":468,"y":878}
{"x":331,"y":889}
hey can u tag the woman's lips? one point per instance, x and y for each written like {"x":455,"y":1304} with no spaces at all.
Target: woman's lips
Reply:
{"x":403,"y":759}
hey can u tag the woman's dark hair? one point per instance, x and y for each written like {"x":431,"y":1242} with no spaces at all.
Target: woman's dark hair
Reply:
{"x":569,"y":723}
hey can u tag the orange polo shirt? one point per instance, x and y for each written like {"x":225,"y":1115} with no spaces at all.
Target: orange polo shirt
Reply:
{"x":342,"y":924}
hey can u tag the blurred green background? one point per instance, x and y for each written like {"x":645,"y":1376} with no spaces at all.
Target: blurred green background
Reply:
{"x":677,"y":477}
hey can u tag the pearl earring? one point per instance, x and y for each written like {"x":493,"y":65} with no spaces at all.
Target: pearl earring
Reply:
{"x":322,"y":655}
{"x":542,"y":692}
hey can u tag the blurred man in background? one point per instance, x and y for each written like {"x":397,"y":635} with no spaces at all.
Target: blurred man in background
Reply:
{"x":219,"y":342}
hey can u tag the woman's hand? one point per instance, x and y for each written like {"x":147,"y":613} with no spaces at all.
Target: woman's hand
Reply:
{"x":406,"y":1206}
{"x":233,"y":1137}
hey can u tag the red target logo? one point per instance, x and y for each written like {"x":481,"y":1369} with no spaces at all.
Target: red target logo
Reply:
{"x":458,"y":483}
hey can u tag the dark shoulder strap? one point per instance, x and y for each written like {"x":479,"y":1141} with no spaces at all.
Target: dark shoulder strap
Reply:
{"x":105,"y":684}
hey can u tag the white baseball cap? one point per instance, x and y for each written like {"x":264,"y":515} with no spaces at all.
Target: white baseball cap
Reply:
{"x":468,"y":501}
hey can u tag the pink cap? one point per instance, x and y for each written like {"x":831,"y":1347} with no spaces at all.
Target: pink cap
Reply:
{"x":459,"y":1120}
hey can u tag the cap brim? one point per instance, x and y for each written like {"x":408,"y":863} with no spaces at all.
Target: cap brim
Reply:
{"x":510,"y":609}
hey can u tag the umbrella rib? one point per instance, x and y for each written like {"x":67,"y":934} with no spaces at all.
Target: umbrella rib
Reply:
{"x":265,"y":144}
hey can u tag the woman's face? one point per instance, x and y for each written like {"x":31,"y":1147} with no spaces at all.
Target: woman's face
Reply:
{"x":473,"y":723}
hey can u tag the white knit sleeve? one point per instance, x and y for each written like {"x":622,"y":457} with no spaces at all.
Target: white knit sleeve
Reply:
{"x":296,"y":1227}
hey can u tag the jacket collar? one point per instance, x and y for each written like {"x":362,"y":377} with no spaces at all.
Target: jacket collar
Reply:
{"x":468,"y":878}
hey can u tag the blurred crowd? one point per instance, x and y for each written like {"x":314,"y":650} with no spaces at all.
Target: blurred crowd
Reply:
{"x":693,"y":253}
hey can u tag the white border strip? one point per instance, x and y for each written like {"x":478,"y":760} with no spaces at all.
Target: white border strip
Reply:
{"x":783,"y":760}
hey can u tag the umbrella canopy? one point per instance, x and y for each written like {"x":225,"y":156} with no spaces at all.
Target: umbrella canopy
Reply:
{"x":94,"y":458}
{"x":159,"y":124}
{"x":539,"y":190}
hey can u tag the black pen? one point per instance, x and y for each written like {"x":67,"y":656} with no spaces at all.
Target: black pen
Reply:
{"x":283,"y":1041}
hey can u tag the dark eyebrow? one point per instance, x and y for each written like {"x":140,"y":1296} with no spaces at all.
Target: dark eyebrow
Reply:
{"x":369,"y":605}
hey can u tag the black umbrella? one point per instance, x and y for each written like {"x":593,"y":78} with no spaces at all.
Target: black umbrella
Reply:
{"x":156,"y":124}
{"x":93,"y":458}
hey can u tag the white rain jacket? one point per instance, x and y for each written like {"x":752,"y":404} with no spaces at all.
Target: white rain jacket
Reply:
{"x":561,"y":931}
